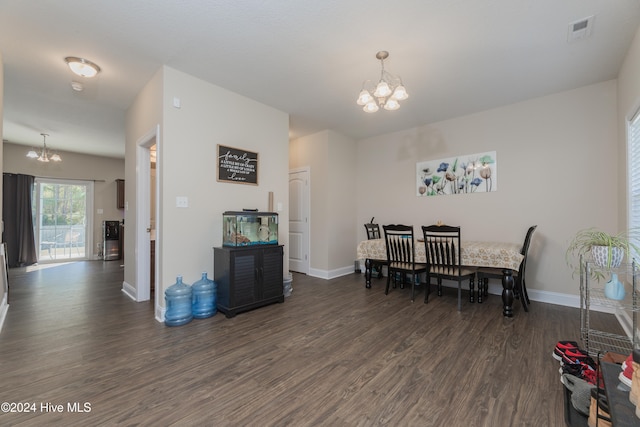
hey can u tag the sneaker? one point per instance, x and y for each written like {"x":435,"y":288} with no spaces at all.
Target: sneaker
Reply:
{"x":626,"y":375}
{"x":580,"y":370}
{"x":627,"y":362}
{"x":590,"y":376}
{"x":577,"y":355}
{"x":574,"y":369}
{"x":561,"y":347}
{"x":634,"y":394}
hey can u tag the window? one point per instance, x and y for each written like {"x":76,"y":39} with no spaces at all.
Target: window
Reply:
{"x":633,"y":167}
{"x":62,"y":219}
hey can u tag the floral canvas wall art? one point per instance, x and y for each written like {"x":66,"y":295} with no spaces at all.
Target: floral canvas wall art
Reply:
{"x":473,"y":173}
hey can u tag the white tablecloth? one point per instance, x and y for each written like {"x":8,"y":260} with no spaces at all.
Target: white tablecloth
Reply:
{"x":473,"y":253}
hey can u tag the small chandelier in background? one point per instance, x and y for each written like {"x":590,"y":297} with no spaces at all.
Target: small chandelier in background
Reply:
{"x":387,"y":93}
{"x":44,"y":155}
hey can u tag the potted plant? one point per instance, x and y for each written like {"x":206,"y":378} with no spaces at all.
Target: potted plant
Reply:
{"x":605,"y":250}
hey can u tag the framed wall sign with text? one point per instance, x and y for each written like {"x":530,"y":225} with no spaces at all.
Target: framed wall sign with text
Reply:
{"x":237,"y":165}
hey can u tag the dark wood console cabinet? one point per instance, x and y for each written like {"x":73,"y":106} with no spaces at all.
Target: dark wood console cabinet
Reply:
{"x":247,"y":277}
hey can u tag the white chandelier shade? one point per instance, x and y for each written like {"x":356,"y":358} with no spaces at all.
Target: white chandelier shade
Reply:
{"x":387,"y":93}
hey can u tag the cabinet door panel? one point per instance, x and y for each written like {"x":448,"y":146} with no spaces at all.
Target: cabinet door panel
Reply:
{"x":272,"y":272}
{"x":245,"y":278}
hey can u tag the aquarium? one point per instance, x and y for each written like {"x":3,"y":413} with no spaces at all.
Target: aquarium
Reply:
{"x":249,"y":228}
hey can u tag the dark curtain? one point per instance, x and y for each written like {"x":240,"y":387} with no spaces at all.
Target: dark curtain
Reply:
{"x":18,"y":219}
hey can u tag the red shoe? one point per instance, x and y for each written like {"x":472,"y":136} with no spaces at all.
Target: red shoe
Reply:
{"x":626,"y":375}
{"x":576,"y":355}
{"x":562,"y":347}
{"x":589,"y":375}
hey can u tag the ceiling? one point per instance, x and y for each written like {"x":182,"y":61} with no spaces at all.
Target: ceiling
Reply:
{"x":306,"y":58}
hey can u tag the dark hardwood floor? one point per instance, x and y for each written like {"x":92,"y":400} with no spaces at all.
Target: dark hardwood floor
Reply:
{"x":333,"y":354}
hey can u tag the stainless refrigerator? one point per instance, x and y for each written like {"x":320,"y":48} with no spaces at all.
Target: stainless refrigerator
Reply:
{"x":111,"y":240}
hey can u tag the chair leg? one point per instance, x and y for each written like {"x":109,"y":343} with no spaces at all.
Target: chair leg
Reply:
{"x":413,"y":287}
{"x":386,"y":291}
{"x":523,"y":297}
{"x":472,"y":291}
{"x":459,"y":295}
{"x":427,"y":289}
{"x":439,"y":287}
{"x":486,"y":287}
{"x":524,"y":290}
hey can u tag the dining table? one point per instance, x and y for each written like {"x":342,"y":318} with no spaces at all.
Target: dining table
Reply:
{"x":503,"y":255}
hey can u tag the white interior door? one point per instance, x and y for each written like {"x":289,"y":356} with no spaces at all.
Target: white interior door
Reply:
{"x":299,"y":207}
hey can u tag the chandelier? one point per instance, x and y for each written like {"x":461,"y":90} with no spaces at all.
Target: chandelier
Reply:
{"x":387,"y":93}
{"x":44,"y":155}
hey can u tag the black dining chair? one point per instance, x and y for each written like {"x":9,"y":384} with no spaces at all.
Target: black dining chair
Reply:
{"x":483,"y":274}
{"x":373,"y":232}
{"x":401,"y":255}
{"x":442,"y":249}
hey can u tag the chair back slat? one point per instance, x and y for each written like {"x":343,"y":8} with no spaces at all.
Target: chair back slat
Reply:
{"x":399,"y":242}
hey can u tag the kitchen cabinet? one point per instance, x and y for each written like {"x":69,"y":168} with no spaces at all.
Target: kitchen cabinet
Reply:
{"x":120,"y":193}
{"x":248,"y":277}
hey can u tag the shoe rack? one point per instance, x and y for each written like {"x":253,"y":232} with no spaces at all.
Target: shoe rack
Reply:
{"x":595,"y":288}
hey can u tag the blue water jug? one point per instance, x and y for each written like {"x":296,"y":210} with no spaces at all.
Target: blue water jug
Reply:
{"x":178,"y":299}
{"x":204,"y":298}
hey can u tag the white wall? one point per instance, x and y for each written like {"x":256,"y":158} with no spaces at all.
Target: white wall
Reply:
{"x":628,"y":105}
{"x":331,"y":158}
{"x":142,"y":117}
{"x":313,"y":151}
{"x":103,"y":170}
{"x":209,"y":115}
{"x":557,"y":161}
{"x":341,"y":203}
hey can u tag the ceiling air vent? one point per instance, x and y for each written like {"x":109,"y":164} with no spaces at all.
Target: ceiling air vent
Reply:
{"x":581,"y":29}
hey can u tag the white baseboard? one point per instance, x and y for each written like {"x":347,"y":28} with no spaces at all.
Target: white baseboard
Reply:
{"x":330,"y":274}
{"x":129,"y":291}
{"x":4,"y":308}
{"x":160,"y":314}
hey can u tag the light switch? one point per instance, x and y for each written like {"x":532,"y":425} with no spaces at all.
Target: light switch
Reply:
{"x":100,"y":211}
{"x":279,"y":206}
{"x":182,"y":202}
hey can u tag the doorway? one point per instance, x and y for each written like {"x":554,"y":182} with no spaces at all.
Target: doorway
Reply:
{"x":62,"y":218}
{"x":299,"y":208}
{"x":147,"y":154}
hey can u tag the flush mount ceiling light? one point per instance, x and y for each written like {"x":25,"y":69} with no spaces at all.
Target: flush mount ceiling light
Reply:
{"x":44,"y":155}
{"x":387,"y":93}
{"x":82,"y":67}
